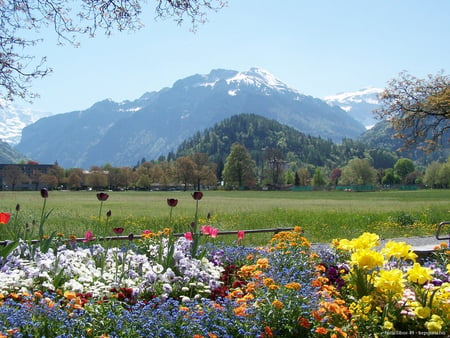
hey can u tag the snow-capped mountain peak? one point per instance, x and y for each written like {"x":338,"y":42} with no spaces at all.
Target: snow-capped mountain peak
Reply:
{"x":13,"y":119}
{"x":258,"y":77}
{"x":255,"y":77}
{"x":368,"y":95}
{"x":359,"y":104}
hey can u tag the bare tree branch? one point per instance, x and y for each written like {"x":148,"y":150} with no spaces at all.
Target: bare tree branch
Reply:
{"x":70,"y":19}
{"x":418,"y":109}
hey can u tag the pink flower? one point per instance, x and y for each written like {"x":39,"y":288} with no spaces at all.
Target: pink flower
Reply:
{"x":188,"y":236}
{"x":206,"y":229}
{"x":88,"y":236}
{"x":240,"y":234}
{"x":214,"y":232}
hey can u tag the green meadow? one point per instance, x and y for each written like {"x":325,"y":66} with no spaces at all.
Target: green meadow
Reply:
{"x":322,"y":215}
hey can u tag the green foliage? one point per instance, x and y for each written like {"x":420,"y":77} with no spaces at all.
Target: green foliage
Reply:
{"x":359,"y":171}
{"x":403,"y":167}
{"x":324,"y":215}
{"x":239,"y":168}
{"x":318,"y":180}
{"x":257,"y":134}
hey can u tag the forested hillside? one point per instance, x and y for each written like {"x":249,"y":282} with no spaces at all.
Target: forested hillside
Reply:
{"x":265,"y":138}
{"x":382,"y":135}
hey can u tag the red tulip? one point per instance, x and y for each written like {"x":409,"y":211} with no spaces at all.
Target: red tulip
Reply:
{"x":172,"y":202}
{"x":240,"y":235}
{"x":197,"y":195}
{"x":101,"y":196}
{"x":188,"y":236}
{"x":44,"y":193}
{"x":118,"y":231}
{"x":4,"y":217}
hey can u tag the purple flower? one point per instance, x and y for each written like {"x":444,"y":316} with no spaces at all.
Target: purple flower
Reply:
{"x":44,"y":193}
{"x":101,"y":196}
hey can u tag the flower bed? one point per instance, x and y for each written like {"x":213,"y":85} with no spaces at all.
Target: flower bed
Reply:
{"x":162,"y":286}
{"x":283,"y":289}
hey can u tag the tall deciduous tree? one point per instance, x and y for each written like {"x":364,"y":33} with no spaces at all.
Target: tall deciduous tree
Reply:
{"x":419,"y":109}
{"x":70,"y":19}
{"x":204,"y":171}
{"x":184,"y":170}
{"x":318,"y":180}
{"x":359,"y":171}
{"x":403,"y":167}
{"x":239,"y":169}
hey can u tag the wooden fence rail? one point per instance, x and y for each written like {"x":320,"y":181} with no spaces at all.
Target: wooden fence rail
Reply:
{"x":133,"y":237}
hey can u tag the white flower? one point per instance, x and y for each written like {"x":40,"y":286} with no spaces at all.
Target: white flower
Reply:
{"x":167,"y":288}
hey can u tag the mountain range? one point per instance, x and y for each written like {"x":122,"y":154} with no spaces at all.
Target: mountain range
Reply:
{"x":359,"y":104}
{"x":158,"y":122}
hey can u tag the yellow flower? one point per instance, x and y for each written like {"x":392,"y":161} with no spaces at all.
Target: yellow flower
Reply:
{"x":390,"y":280}
{"x":366,"y":241}
{"x":343,"y":244}
{"x":398,"y":250}
{"x":367,"y":259}
{"x":422,"y":312}
{"x":419,"y":274}
{"x":434,"y":324}
{"x":388,"y":325}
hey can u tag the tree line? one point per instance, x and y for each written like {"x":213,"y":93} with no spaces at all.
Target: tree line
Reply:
{"x":239,"y":171}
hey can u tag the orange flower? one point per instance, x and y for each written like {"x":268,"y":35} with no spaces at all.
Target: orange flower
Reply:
{"x":250,"y":287}
{"x":262,"y":263}
{"x":304,"y":322}
{"x":340,"y":331}
{"x":277,"y":304}
{"x":268,"y":281}
{"x":321,"y":330}
{"x":317,"y":316}
{"x":240,"y":310}
{"x":268,"y":332}
{"x":293,"y":286}
{"x":70,"y":295}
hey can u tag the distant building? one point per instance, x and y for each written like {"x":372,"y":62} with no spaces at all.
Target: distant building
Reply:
{"x":23,"y":176}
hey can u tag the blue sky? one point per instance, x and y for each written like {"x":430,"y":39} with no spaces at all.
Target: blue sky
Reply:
{"x":320,"y":48}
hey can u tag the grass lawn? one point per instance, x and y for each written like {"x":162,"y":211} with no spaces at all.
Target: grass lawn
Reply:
{"x":323,"y":215}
